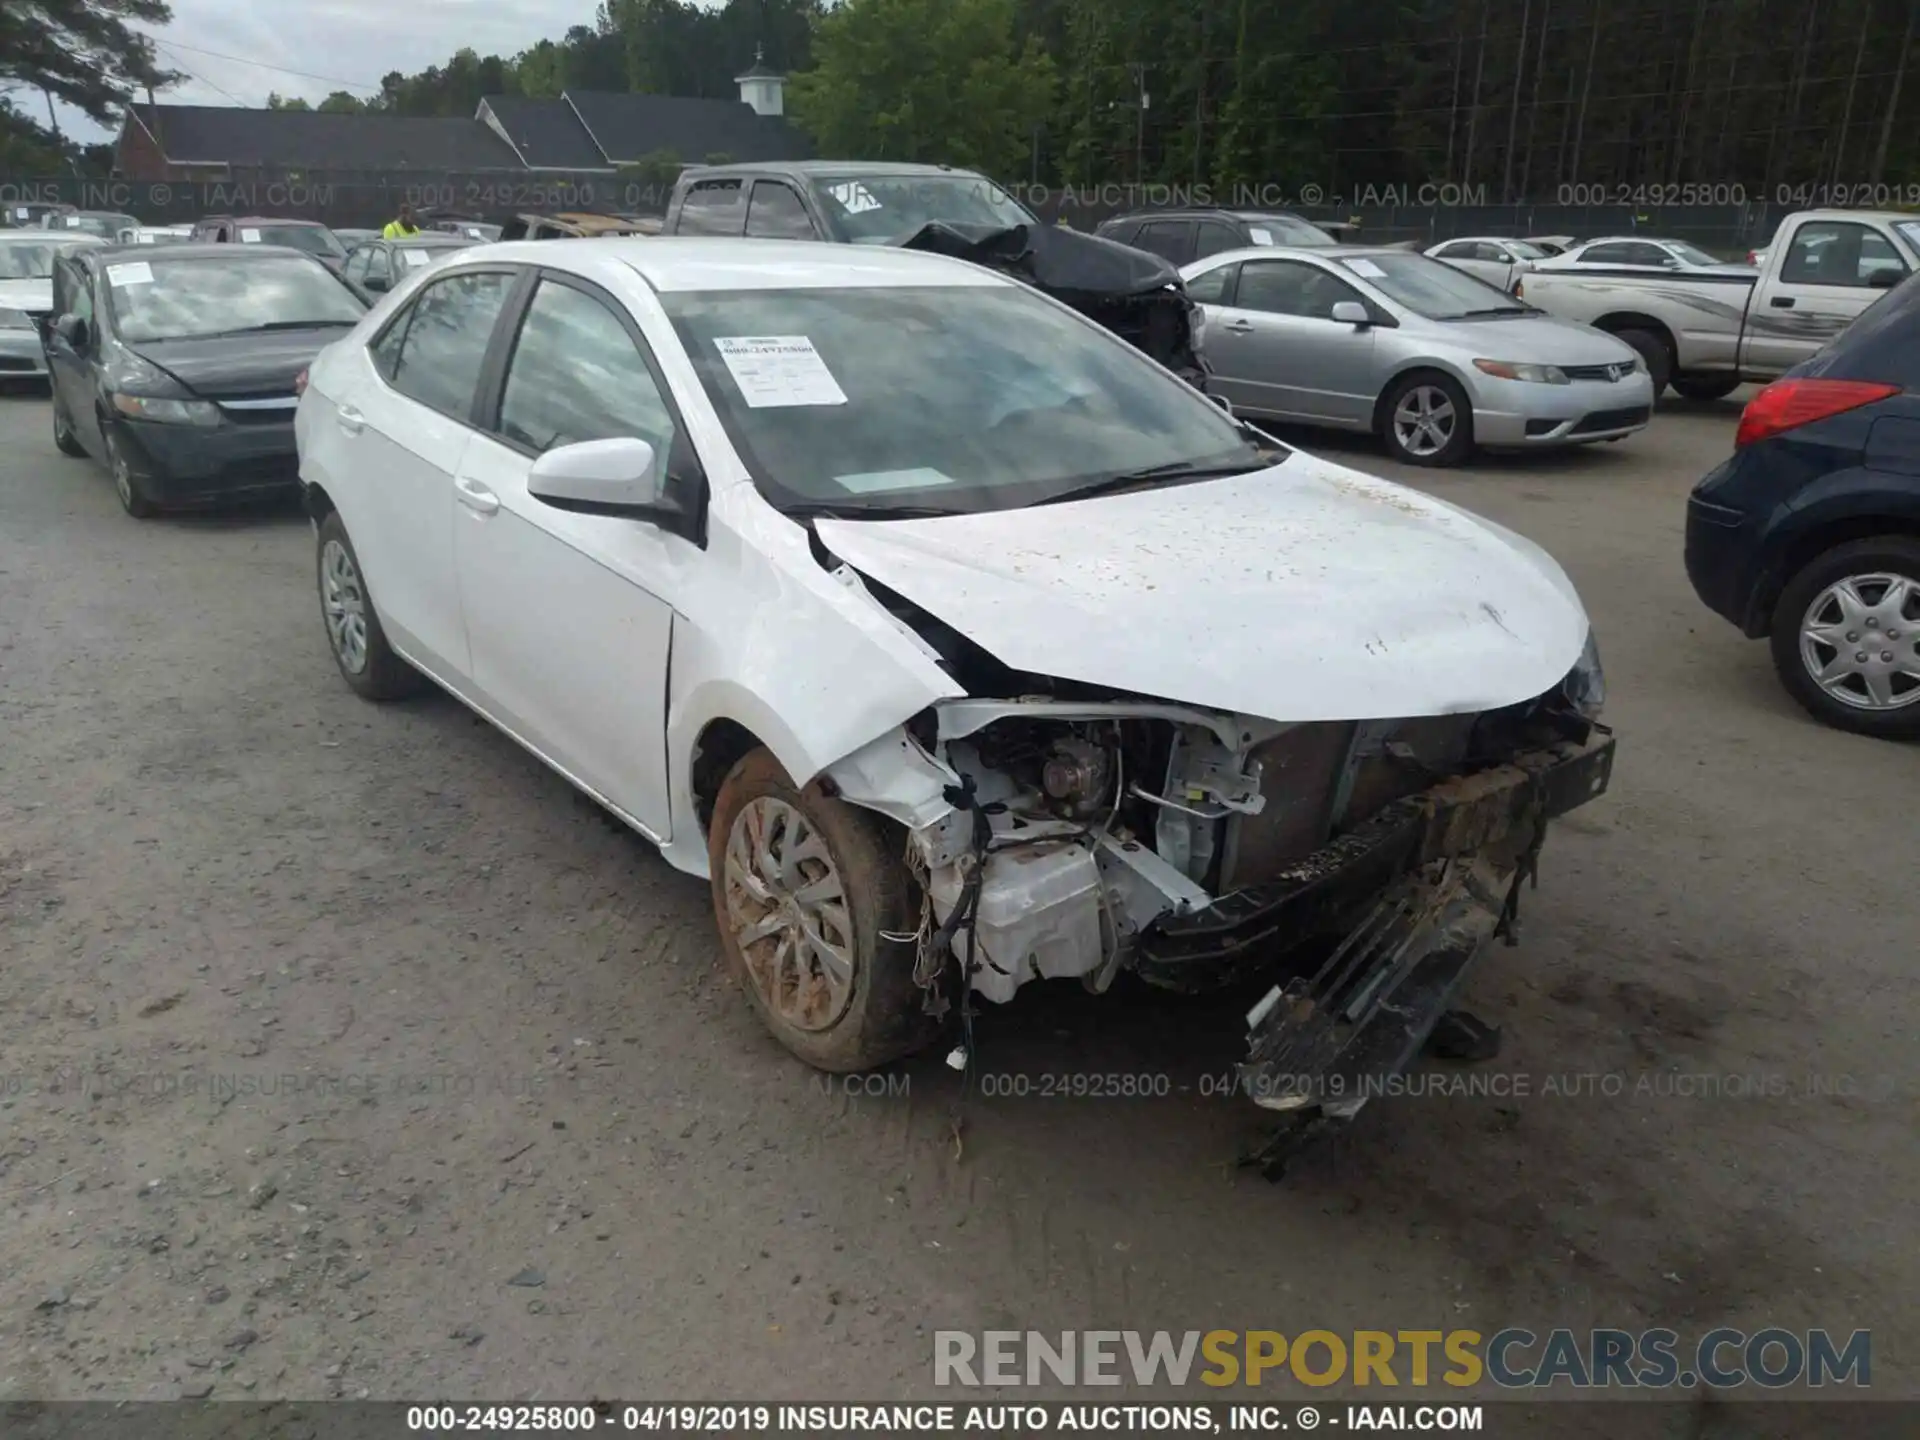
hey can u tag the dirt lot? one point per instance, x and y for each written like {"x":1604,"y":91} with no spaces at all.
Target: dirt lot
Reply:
{"x":346,"y":1052}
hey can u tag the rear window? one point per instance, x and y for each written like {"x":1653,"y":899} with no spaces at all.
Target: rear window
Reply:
{"x":1882,"y":344}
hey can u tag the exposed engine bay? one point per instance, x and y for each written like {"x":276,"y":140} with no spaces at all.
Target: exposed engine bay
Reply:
{"x":1358,"y":866}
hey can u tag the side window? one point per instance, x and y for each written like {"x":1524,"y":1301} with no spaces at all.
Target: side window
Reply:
{"x":1291,"y":287}
{"x":713,"y":207}
{"x":1214,"y":287}
{"x":1169,"y":239}
{"x":1458,"y":250}
{"x":1607,"y":255}
{"x":356,"y":270}
{"x":1493,"y":253}
{"x":448,"y":328}
{"x":1214,"y":237}
{"x":776,"y":213}
{"x":1836,"y":252}
{"x":577,"y":375}
{"x":1644,"y":254}
{"x":80,"y":295}
{"x":379,"y":264}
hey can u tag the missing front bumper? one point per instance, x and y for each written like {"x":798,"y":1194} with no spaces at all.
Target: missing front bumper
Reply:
{"x":1414,"y":895}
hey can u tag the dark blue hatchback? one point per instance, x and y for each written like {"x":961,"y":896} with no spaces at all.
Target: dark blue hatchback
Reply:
{"x":1810,"y":533}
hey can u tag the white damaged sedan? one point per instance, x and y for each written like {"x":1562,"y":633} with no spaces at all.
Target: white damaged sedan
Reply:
{"x":957,"y":643}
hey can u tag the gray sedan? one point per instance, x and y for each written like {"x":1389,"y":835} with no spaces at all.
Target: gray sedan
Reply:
{"x":1432,"y":360}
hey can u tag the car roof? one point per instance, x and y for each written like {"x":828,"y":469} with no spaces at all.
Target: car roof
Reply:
{"x":671,"y":264}
{"x":64,"y":236}
{"x":262,"y":220}
{"x":804,"y":168}
{"x":433,"y":240}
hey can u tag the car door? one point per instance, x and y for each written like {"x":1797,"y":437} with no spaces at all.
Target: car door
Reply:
{"x":71,"y":368}
{"x":567,"y":614}
{"x":1823,"y":281}
{"x":1277,"y":350}
{"x":400,"y":424}
{"x":713,"y":207}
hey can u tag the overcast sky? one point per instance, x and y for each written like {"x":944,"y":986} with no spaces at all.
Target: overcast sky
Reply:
{"x":355,"y":41}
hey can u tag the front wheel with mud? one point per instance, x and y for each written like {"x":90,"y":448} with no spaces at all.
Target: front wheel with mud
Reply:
{"x":818,"y":918}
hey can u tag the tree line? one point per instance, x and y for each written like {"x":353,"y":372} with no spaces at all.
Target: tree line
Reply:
{"x":1511,"y":99}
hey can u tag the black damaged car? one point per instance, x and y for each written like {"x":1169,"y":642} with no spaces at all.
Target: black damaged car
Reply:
{"x":176,"y":369}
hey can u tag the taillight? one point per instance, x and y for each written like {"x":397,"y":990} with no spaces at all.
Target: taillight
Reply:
{"x":300,"y":383}
{"x":1788,"y":404}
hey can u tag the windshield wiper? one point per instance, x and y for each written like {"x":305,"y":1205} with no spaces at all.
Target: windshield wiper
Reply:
{"x":1496,"y":310}
{"x":831,"y":510}
{"x":1173,"y":472}
{"x":275,"y":325}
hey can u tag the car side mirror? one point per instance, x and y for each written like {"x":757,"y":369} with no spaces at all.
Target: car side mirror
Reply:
{"x":376,"y":283}
{"x":1351,"y":312}
{"x":1884,"y":278}
{"x":73,"y":330}
{"x":1223,"y":402}
{"x":603,"y":477}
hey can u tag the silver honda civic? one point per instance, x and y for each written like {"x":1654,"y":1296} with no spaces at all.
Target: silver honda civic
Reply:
{"x":1432,"y":360}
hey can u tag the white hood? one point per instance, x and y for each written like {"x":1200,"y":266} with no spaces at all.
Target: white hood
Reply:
{"x":1303,"y":592}
{"x":26,"y":295}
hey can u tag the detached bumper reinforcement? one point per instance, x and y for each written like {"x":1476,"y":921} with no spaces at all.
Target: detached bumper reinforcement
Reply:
{"x":1454,"y":819}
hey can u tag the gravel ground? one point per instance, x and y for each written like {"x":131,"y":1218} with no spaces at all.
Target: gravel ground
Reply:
{"x":346,"y":1052}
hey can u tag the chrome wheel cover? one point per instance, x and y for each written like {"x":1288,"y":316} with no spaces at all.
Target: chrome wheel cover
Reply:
{"x":1424,"y":420}
{"x":788,"y":911}
{"x":122,"y":472}
{"x":1860,"y":641}
{"x":345,"y":605}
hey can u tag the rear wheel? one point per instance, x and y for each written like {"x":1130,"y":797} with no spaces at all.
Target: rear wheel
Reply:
{"x":1846,"y":637}
{"x":359,"y":645}
{"x":1705,"y":387}
{"x":818,"y":918}
{"x":1426,"y":420}
{"x":64,"y":440}
{"x":1654,"y":353}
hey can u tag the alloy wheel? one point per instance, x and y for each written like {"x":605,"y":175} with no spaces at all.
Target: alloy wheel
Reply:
{"x":122,"y":471}
{"x":787,"y":907}
{"x":1860,"y":641}
{"x":1423,"y":421}
{"x":345,"y":604}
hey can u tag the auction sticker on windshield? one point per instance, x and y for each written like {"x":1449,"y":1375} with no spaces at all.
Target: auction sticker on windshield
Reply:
{"x":777,"y":370}
{"x":249,"y":237}
{"x":1366,"y":267}
{"x":1260,"y":236}
{"x":132,"y":272}
{"x":867,"y":482}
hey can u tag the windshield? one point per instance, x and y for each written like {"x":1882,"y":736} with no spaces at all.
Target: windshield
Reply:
{"x":966,"y":398}
{"x":314,"y":239}
{"x":108,"y":226}
{"x":163,"y":299}
{"x":1910,"y":232}
{"x":874,"y":209}
{"x":1428,"y":287}
{"x":1691,"y":254}
{"x":27,"y":259}
{"x":1285,"y":230}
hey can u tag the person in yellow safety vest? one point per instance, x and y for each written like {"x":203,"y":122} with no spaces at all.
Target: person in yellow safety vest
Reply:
{"x":401,"y":228}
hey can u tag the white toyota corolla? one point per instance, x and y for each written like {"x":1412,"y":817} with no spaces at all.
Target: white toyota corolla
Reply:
{"x":959,"y":644}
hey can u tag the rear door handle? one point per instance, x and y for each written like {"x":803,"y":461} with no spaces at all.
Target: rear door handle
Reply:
{"x":1781,"y":302}
{"x":1239,"y":327}
{"x":350,"y":419}
{"x":475,"y":496}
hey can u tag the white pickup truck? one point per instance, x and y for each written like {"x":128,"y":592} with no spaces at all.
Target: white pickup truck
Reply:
{"x":1706,"y":333}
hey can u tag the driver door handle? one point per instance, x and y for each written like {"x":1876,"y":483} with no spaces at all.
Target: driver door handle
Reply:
{"x":1239,"y":327}
{"x":475,"y":496}
{"x":1782,"y":302}
{"x":350,"y":419}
